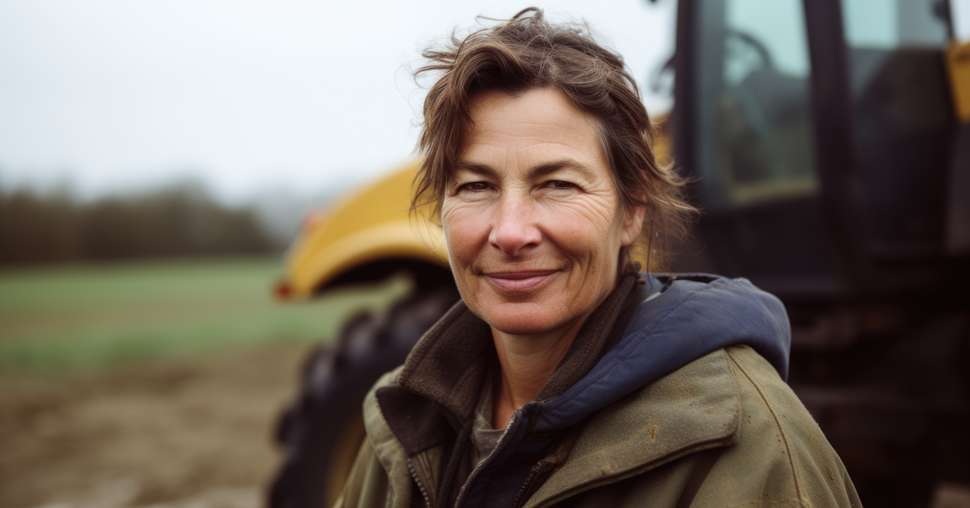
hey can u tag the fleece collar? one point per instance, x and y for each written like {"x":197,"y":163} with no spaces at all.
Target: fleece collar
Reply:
{"x":443,"y":376}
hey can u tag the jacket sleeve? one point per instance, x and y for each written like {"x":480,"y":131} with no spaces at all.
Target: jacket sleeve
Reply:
{"x":367,"y":484}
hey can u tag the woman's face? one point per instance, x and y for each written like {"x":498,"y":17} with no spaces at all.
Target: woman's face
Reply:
{"x":531,"y":216}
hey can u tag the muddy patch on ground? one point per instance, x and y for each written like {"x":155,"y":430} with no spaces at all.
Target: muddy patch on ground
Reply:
{"x":184,"y":431}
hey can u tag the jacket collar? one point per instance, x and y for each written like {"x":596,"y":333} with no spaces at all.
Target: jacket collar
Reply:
{"x":443,"y":376}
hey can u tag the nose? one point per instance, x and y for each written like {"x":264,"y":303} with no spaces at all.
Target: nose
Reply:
{"x":513,"y":228}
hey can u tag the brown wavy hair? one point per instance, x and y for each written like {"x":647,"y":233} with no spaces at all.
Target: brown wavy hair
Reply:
{"x":527,"y":52}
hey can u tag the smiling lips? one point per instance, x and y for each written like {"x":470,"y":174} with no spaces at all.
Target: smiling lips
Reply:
{"x":520,"y":281}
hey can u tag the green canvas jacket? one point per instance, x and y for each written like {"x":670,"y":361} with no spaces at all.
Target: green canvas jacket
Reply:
{"x":723,"y":431}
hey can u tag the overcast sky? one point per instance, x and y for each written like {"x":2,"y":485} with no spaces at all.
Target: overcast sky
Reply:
{"x":247,"y":95}
{"x":109,"y":94}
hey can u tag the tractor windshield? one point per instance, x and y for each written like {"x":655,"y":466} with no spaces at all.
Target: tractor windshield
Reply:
{"x":843,"y":130}
{"x":754,"y":131}
{"x":755,"y":123}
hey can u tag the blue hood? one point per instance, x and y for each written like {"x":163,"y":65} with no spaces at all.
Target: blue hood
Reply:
{"x":677,"y":323}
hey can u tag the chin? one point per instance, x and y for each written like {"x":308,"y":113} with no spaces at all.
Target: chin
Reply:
{"x":519,"y":319}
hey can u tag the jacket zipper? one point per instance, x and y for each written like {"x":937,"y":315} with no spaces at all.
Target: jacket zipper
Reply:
{"x":481,"y":465}
{"x":534,"y":473}
{"x":414,"y":476}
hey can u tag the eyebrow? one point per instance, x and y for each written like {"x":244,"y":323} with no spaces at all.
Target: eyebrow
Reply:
{"x":538,"y":171}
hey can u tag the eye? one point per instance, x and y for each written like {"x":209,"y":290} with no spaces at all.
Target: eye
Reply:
{"x":476,"y":186}
{"x":559,"y":185}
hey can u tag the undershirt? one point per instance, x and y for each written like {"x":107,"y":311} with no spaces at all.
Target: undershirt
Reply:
{"x":484,"y":437}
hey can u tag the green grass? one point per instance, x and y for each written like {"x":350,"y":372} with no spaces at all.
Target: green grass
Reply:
{"x":94,"y":316}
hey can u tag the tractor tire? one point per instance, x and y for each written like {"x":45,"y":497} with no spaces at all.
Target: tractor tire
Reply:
{"x":322,"y":430}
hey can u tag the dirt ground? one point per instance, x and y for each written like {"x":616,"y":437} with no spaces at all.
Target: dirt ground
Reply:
{"x":178,"y":432}
{"x":188,"y":432}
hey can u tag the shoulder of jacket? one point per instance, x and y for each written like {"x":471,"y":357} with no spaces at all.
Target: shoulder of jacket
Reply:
{"x":780,"y":443}
{"x":384,"y":445}
{"x":377,"y":430}
{"x":765,"y":394}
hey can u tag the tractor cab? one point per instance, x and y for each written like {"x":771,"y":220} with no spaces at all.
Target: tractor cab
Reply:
{"x":821,"y":136}
{"x":828,"y":142}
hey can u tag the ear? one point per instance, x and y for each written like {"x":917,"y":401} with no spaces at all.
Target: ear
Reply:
{"x":633,"y":224}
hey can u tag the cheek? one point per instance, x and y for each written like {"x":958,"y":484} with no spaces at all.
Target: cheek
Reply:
{"x":583,"y":228}
{"x":466,"y":231}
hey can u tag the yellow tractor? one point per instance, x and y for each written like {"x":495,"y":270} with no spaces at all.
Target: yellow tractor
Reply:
{"x":829,"y":143}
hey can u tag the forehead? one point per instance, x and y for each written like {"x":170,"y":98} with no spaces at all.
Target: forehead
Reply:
{"x":534,"y":124}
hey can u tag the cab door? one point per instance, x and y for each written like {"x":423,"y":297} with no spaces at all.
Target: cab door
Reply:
{"x":819,"y":136}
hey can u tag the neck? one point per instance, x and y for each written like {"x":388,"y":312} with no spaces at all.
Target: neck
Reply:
{"x":527,"y":363}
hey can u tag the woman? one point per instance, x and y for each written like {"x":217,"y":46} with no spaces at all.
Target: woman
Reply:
{"x":563,"y":377}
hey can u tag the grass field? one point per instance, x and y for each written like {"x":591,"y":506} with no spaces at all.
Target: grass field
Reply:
{"x":152,"y":384}
{"x":56,"y":319}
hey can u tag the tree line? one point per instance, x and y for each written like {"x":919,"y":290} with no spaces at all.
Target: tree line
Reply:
{"x":179,"y":220}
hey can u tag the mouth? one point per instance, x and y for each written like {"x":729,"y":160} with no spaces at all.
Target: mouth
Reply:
{"x":519,"y":281}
